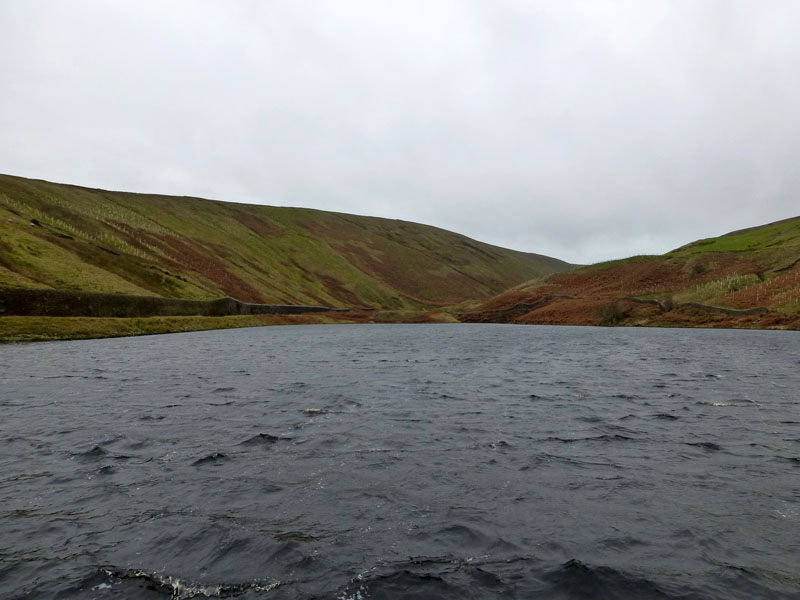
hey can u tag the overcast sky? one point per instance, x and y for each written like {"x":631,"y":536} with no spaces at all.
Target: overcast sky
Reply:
{"x":582,"y":130}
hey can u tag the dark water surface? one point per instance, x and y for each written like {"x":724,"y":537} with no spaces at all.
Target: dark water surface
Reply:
{"x":403,"y":461}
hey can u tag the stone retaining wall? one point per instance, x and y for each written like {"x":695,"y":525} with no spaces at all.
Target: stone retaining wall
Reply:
{"x":65,"y":303}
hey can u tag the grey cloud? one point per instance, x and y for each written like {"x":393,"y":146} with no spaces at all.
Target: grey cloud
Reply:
{"x":583,"y":130}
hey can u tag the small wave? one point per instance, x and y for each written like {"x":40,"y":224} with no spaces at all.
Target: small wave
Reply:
{"x":404,"y":584}
{"x":435,"y":578}
{"x":666,"y":417}
{"x":483,"y":578}
{"x":624,"y":542}
{"x":764,"y":582}
{"x":709,"y":446}
{"x":95,"y":452}
{"x":576,"y":580}
{"x":214,"y":457}
{"x":590,"y":419}
{"x":788,"y":511}
{"x":182,"y":589}
{"x":262,"y":439}
{"x":500,"y":444}
{"x":596,"y":438}
{"x":293,"y":536}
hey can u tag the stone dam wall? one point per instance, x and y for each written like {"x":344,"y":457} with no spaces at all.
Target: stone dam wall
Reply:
{"x":67,"y":303}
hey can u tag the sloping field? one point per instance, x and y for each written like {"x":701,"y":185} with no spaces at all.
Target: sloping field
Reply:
{"x":74,"y":238}
{"x":744,"y":270}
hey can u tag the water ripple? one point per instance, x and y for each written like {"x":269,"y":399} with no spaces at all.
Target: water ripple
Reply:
{"x":363,"y":462}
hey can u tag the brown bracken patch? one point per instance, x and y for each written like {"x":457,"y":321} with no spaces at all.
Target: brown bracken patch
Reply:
{"x":207,"y":266}
{"x":336,"y":289}
{"x":258,"y":224}
{"x":645,"y":277}
{"x":783,"y":289}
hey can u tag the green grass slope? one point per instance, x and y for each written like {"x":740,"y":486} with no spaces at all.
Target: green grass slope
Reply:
{"x":740,"y":271}
{"x":75,"y":238}
{"x":772,"y":241}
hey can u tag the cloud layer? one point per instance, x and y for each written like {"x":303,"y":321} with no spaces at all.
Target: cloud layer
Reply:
{"x":582,"y":130}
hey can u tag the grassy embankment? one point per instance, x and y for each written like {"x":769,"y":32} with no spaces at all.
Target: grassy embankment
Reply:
{"x":738,"y":274}
{"x":30,"y":329}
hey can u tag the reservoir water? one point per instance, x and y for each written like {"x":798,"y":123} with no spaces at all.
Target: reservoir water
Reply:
{"x":403,"y":461}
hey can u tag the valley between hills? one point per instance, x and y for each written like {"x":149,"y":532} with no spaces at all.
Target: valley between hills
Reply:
{"x":77,"y":262}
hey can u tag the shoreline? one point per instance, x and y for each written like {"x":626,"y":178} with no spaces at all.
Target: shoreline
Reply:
{"x":26,"y":329}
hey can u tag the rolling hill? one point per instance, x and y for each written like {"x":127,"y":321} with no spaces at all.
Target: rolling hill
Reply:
{"x":746,"y":278}
{"x":68,"y":237}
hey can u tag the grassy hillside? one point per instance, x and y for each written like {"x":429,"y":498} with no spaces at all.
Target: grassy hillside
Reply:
{"x":74,"y":238}
{"x":747,"y":269}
